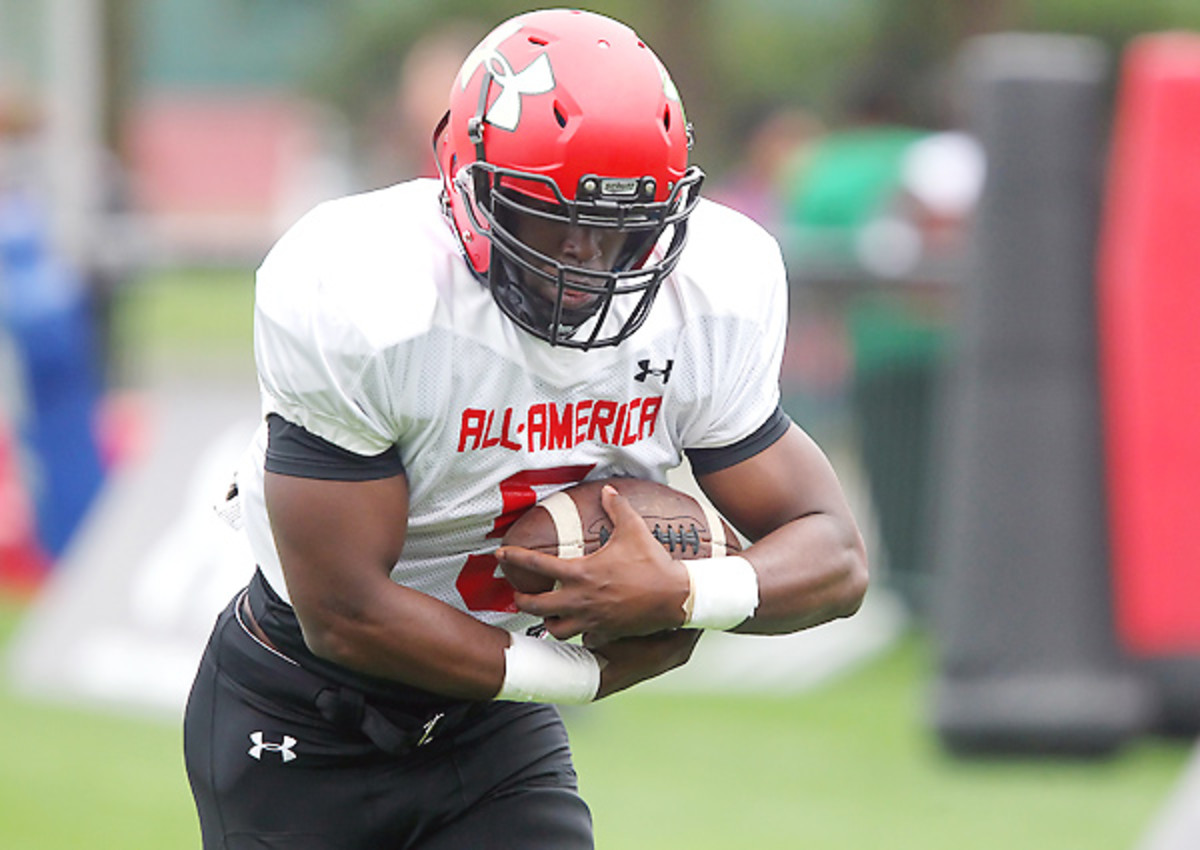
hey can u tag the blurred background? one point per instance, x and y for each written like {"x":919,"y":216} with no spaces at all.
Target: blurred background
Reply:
{"x":988,"y":211}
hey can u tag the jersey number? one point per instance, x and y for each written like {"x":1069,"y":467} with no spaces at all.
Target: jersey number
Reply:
{"x":478,"y":583}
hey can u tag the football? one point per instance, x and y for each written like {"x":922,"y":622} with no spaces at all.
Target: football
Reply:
{"x":572,"y":523}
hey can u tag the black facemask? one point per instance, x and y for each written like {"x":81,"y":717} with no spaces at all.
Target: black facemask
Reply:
{"x":621,"y":295}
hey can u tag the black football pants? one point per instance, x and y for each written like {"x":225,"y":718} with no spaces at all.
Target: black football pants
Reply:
{"x":268,"y":769}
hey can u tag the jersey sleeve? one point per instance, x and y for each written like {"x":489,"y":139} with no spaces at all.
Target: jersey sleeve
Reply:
{"x":293,"y":451}
{"x":319,"y":367}
{"x":704,"y":461}
{"x":742,"y":350}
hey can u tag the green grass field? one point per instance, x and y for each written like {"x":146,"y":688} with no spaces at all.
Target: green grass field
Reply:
{"x":188,"y":320}
{"x":848,"y":765}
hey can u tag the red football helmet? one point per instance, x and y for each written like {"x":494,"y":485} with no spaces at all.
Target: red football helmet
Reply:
{"x":567,"y":116}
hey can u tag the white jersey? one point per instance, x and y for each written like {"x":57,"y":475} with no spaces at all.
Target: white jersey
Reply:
{"x":372,"y":332}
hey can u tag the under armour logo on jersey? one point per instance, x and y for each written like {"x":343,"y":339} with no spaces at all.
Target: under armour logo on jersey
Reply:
{"x":646,"y":371}
{"x":535,"y":78}
{"x":285,"y":749}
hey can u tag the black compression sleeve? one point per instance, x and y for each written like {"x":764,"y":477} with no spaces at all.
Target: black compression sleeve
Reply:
{"x":293,"y":450}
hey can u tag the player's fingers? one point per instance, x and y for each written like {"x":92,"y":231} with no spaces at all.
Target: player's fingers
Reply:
{"x":594,"y":640}
{"x":538,"y":562}
{"x":561,"y":620}
{"x":564,"y":628}
{"x":547,"y":605}
{"x":561,"y":628}
{"x":618,"y":508}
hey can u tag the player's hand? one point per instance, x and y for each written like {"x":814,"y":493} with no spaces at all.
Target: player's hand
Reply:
{"x":630,"y":660}
{"x":629,"y":586}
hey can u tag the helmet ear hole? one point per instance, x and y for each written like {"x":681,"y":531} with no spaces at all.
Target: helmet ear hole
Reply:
{"x":667,"y":119}
{"x":559,"y":117}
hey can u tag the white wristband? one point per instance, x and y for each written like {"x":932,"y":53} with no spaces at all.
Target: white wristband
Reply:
{"x":724,"y":592}
{"x":537,"y":670}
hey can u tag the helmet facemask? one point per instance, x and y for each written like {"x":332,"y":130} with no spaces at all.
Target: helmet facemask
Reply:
{"x":537,"y":290}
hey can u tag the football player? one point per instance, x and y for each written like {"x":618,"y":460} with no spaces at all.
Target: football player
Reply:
{"x":435,"y":357}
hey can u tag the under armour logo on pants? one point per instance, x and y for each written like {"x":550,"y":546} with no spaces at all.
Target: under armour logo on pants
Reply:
{"x":285,"y":749}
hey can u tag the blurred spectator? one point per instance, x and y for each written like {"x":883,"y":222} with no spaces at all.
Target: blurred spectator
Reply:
{"x":775,"y":141}
{"x":877,"y":197}
{"x":849,"y":179}
{"x":46,"y":311}
{"x":419,"y":99}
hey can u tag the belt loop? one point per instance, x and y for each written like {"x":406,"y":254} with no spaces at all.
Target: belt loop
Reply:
{"x":385,"y":734}
{"x":342,"y":707}
{"x":348,"y":709}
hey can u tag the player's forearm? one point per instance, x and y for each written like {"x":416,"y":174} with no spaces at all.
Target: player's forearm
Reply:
{"x":396,"y":633}
{"x":630,"y":661}
{"x":810,"y":571}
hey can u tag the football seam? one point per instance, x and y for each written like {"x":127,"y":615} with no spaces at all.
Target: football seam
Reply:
{"x":716,"y":531}
{"x":568,"y":525}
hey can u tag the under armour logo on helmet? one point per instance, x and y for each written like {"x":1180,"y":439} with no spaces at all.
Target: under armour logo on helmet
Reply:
{"x":285,"y":749}
{"x":536,"y":78}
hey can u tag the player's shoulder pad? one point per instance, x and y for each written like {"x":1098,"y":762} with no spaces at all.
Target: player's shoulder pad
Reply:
{"x":363,"y":267}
